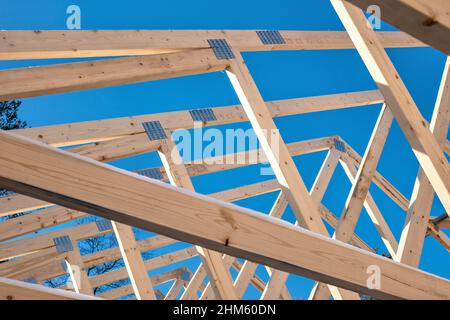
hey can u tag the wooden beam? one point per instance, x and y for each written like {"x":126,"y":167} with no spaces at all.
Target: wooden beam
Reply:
{"x":18,"y":290}
{"x":378,"y":179}
{"x":441,"y":237}
{"x":174,"y":290}
{"x":36,"y":221}
{"x":442,"y":221}
{"x":274,"y":147}
{"x":38,"y":81}
{"x":249,"y":268}
{"x":317,"y":192}
{"x":352,"y":159}
{"x":22,"y":269}
{"x":149,"y":265}
{"x":360,"y":187}
{"x":54,"y":216}
{"x":156,"y":279}
{"x":101,"y":130}
{"x":44,"y":44}
{"x":82,"y":184}
{"x":418,"y":214}
{"x":218,"y":275}
{"x":28,"y":266}
{"x":134,"y":264}
{"x":413,"y":125}
{"x":27,"y":245}
{"x":256,"y":281}
{"x":18,"y":203}
{"x":268,"y":136}
{"x":372,"y":209}
{"x":246,"y":273}
{"x":426,"y":20}
{"x":77,"y":271}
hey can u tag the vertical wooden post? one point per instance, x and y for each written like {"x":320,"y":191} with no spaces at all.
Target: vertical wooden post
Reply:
{"x":77,"y":271}
{"x":140,"y":281}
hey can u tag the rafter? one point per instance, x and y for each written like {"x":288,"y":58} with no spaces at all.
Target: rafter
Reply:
{"x":427,"y":20}
{"x":275,"y":149}
{"x":108,"y":129}
{"x":38,"y":81}
{"x":43,"y":44}
{"x":236,"y":231}
{"x":398,"y":98}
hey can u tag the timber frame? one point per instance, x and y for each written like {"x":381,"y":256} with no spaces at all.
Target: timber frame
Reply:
{"x":57,"y":188}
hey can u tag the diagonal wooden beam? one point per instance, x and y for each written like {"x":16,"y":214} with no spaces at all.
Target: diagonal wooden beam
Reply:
{"x":243,"y":279}
{"x":427,"y":20}
{"x":317,"y":192}
{"x":372,"y":209}
{"x":441,"y":221}
{"x":27,"y":245}
{"x":16,"y":203}
{"x":247,"y":271}
{"x":274,"y":147}
{"x":77,"y":271}
{"x":218,"y":275}
{"x":399,"y":100}
{"x":44,"y":44}
{"x":360,"y":187}
{"x":174,"y":290}
{"x":149,"y":265}
{"x":418,"y":214}
{"x":82,"y":184}
{"x":107,"y":129}
{"x":349,"y":161}
{"x":156,"y":279}
{"x":267,"y":132}
{"x":38,"y":81}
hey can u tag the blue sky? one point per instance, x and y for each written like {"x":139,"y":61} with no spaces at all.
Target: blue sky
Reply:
{"x":279,"y":75}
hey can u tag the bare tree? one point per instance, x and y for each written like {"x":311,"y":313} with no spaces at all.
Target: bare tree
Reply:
{"x":90,"y":246}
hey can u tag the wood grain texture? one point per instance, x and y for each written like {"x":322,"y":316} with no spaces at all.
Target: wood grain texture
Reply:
{"x":82,"y":184}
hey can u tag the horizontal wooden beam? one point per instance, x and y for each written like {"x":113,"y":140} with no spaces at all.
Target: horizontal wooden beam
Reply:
{"x":426,"y":20}
{"x":45,"y":256}
{"x":44,"y":44}
{"x":79,"y":183}
{"x":16,"y":203}
{"x":38,"y":81}
{"x":100,"y":130}
{"x":18,"y":290}
{"x":27,"y":245}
